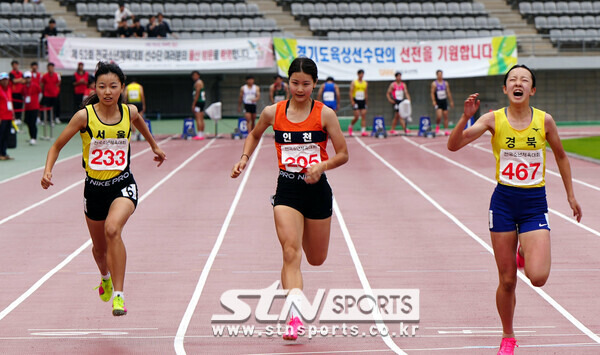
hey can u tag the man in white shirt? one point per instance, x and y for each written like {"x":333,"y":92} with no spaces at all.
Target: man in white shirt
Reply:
{"x":122,"y":13}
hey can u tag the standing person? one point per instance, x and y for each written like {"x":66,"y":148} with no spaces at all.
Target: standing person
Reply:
{"x":31,"y":96}
{"x":329,"y":94}
{"x":303,"y":200}
{"x":48,"y":31}
{"x":16,"y":87}
{"x":440,"y":94}
{"x":198,"y":104}
{"x":122,"y":13}
{"x":80,"y":83}
{"x":51,"y":91}
{"x":7,"y":115}
{"x":163,"y":28}
{"x":358,"y":98}
{"x":110,"y":192}
{"x":396,"y":93}
{"x":278,"y":91}
{"x":89,"y":90}
{"x":134,"y":94}
{"x":518,"y":215}
{"x":35,"y":75}
{"x":152,"y":27}
{"x":249,"y":95}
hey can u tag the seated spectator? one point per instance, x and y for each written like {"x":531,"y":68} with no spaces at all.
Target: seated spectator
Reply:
{"x":122,"y":13}
{"x":50,"y":30}
{"x":123,"y":30}
{"x":163,"y":27}
{"x":152,"y":27}
{"x":137,"y":30}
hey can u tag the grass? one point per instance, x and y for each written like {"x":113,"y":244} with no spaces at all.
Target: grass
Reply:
{"x":588,"y":146}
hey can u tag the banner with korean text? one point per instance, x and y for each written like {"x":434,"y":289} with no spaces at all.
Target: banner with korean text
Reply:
{"x":457,"y":58}
{"x":163,"y":55}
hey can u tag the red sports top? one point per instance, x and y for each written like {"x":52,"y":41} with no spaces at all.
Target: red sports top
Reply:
{"x":6,"y":108}
{"x":31,"y":96}
{"x":299,"y":145}
{"x":80,"y":88}
{"x":51,"y":84}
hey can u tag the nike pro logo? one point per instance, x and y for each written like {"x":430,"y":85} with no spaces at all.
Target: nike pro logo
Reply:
{"x":542,"y":225}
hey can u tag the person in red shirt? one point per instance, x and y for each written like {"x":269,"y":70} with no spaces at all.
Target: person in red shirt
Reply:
{"x":35,"y":75}
{"x":6,"y":114}
{"x":31,"y":94}
{"x":80,"y":84}
{"x":51,"y":91}
{"x":16,"y":86}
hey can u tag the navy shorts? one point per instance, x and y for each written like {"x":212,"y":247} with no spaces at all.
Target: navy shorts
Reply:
{"x":98,"y":195}
{"x":520,"y":209}
{"x":314,"y":201}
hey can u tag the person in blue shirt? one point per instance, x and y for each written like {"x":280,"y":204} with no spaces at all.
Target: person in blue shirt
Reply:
{"x":329,"y":94}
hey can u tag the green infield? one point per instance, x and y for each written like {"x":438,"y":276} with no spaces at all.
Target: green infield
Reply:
{"x":588,"y":146}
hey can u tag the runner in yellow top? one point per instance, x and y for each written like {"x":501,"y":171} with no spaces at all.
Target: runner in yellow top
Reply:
{"x":518,"y":209}
{"x":134,"y":94}
{"x":110,"y":192}
{"x":358,"y":98}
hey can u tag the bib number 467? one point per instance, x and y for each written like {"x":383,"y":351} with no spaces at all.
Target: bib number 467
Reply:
{"x":521,"y":171}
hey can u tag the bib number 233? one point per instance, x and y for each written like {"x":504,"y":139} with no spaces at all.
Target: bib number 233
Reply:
{"x":108,"y":154}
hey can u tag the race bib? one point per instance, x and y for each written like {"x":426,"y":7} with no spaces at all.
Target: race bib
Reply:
{"x":134,"y":95}
{"x":9,"y":105}
{"x":329,"y":96}
{"x":278,"y":98}
{"x":441,"y":94}
{"x":359,"y":95}
{"x":298,"y":157}
{"x":108,"y":154}
{"x":250,"y":99}
{"x":203,"y":95}
{"x":399,"y":94}
{"x":521,"y":167}
{"x":27,"y":99}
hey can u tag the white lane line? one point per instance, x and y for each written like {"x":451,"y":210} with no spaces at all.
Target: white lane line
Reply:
{"x":551,"y":172}
{"x":476,"y":173}
{"x":68,"y":259}
{"x":363,"y":279}
{"x":51,"y":197}
{"x":189,"y":312}
{"x":38,"y":169}
{"x":469,"y":232}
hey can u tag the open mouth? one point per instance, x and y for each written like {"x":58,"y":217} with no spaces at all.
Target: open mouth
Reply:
{"x":518,"y":93}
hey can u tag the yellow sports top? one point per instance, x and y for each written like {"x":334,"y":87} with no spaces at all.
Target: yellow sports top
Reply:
{"x":520,"y":154}
{"x":360,"y":87}
{"x":105,"y":146}
{"x":134,"y":93}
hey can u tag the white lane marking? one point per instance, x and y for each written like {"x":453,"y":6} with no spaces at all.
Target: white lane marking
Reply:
{"x":51,"y":197}
{"x":68,"y":259}
{"x":38,"y":169}
{"x":363,"y":279}
{"x":189,"y":312}
{"x":469,"y":232}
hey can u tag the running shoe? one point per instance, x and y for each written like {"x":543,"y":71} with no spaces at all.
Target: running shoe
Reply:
{"x":119,"y":306}
{"x":105,"y":289}
{"x":437,"y":130}
{"x":393,"y":132}
{"x":364,"y":134}
{"x":446,"y":133}
{"x":198,"y":138}
{"x":291,"y":330}
{"x":350,"y":131}
{"x":520,"y":259}
{"x":407,"y":131}
{"x":507,"y":347}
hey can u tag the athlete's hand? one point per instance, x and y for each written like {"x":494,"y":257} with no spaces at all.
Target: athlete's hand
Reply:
{"x":471,"y":105}
{"x":47,"y":180}
{"x":160,"y":156}
{"x":314,"y":172}
{"x":576,"y":209}
{"x":238,"y":168}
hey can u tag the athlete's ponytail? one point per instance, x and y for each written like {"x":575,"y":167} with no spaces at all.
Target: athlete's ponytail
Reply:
{"x":103,"y":68}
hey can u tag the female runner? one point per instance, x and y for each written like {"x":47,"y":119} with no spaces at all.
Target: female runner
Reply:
{"x":303,"y":200}
{"x":110,"y":193}
{"x":518,"y":210}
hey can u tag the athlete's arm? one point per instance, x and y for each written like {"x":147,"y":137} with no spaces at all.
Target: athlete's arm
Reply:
{"x":77,"y":123}
{"x":266,"y":119}
{"x":563,"y":163}
{"x":388,"y":94}
{"x":350,"y":93}
{"x":320,"y":93}
{"x":337,"y":97}
{"x":366,"y":93}
{"x":196,"y":95}
{"x":287,"y":91}
{"x":461,"y":136}
{"x":331,"y":124}
{"x":449,"y":95}
{"x":240,"y":98}
{"x":257,"y":94}
{"x":271,"y":92}
{"x":138,"y":121}
{"x":143,"y":100}
{"x":406,"y":92}
{"x":432,"y":92}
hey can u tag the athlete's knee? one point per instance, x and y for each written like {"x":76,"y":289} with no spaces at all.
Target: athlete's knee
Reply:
{"x":98,"y":252}
{"x":316,"y":260}
{"x":538,"y":280}
{"x":112,"y":231}
{"x":508,"y":282}
{"x":291,"y":254}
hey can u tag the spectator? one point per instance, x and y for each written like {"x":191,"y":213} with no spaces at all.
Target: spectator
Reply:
{"x":50,"y":30}
{"x":163,"y":27}
{"x":278,"y":91}
{"x":152,"y":27}
{"x":122,"y":13}
{"x":35,"y":75}
{"x":51,"y":91}
{"x":80,"y":83}
{"x":6,"y":115}
{"x":90,"y":89}
{"x":137,"y":30}
{"x":16,"y":87}
{"x":123,"y":30}
{"x":31,"y":91}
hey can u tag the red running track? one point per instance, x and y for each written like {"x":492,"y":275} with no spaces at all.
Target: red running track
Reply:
{"x":414,"y":213}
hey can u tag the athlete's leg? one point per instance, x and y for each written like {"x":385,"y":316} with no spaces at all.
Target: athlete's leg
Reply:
{"x":402,"y":122}
{"x":253,"y":120}
{"x":99,"y":246}
{"x":505,"y":245}
{"x":395,"y":120}
{"x":289,"y":224}
{"x":199,"y":121}
{"x":118,"y":214}
{"x":363,"y":118}
{"x":248,"y":117}
{"x":445,"y":112}
{"x":315,"y":241}
{"x":438,"y":116}
{"x":535,"y":247}
{"x":355,"y":118}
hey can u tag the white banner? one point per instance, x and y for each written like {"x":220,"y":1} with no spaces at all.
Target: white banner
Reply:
{"x":415,"y":60}
{"x":162,"y":55}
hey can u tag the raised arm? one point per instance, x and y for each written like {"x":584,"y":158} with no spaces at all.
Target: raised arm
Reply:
{"x":461,"y":136}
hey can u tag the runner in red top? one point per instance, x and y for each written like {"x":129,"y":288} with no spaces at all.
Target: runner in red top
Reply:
{"x":303,"y":200}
